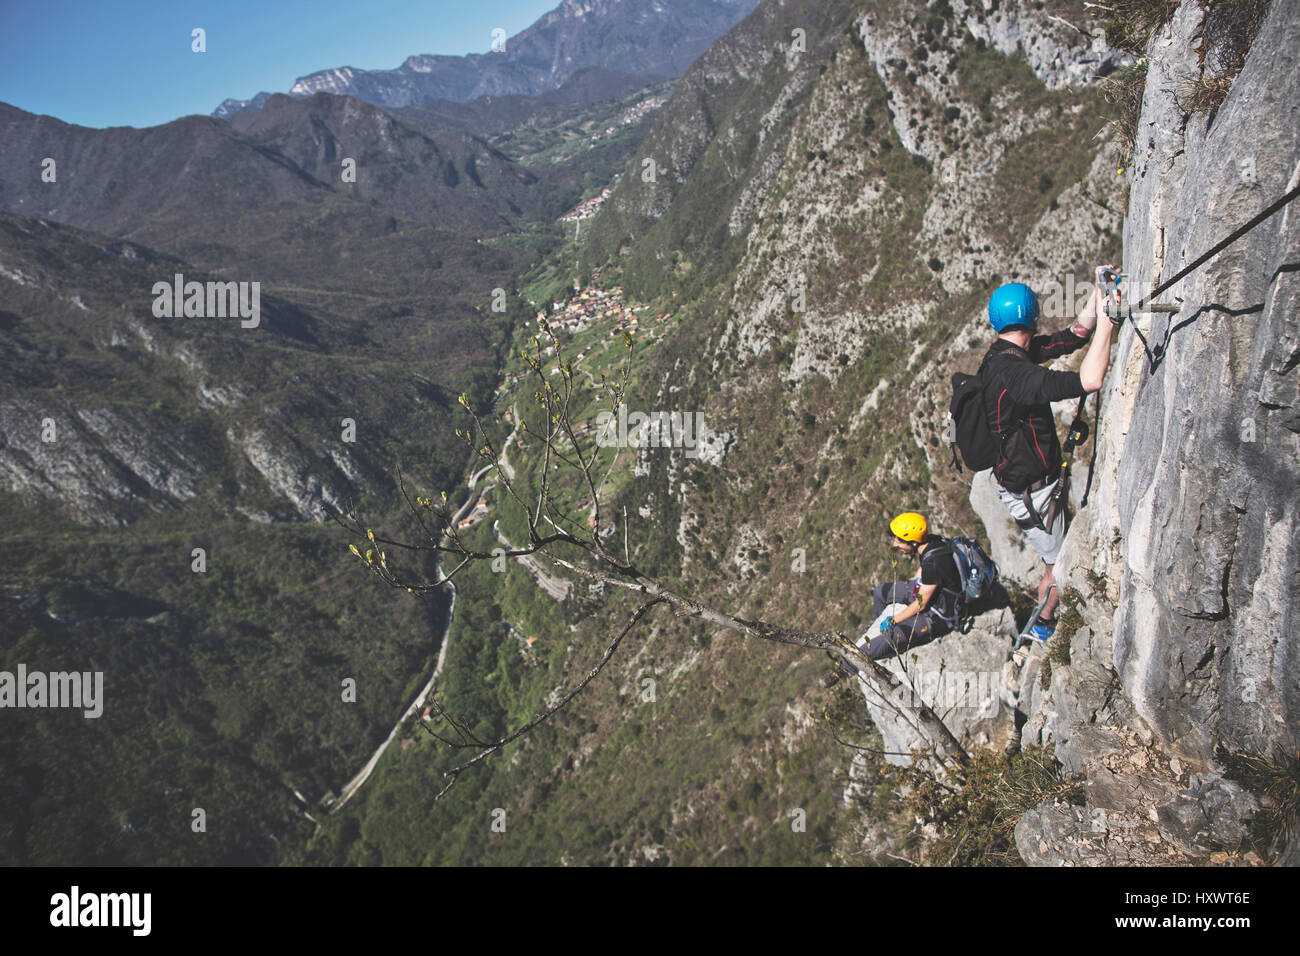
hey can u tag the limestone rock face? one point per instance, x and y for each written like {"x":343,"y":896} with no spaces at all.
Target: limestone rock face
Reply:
{"x":289,"y":473}
{"x":962,"y":678}
{"x":1059,"y":834}
{"x":1186,"y":558}
{"x":112,"y":465}
{"x":1141,"y":818}
{"x":103,"y":463}
{"x":1194,"y":521}
{"x":1059,"y":55}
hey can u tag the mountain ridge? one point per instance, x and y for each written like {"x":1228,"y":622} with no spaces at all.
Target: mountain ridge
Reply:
{"x":809,"y":262}
{"x":643,"y":37}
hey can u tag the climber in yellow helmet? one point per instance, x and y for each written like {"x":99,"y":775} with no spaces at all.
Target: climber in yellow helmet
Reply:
{"x":930,"y":595}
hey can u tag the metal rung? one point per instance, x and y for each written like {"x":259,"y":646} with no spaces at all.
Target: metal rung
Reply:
{"x":1033,"y":618}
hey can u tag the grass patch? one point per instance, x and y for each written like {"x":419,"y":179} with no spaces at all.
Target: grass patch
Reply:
{"x":1123,"y":93}
{"x":1277,"y":784}
{"x":975,"y":823}
{"x":1131,"y":22}
{"x":1202,"y":94}
{"x":1068,"y":619}
{"x":1229,"y":29}
{"x":1225,"y":37}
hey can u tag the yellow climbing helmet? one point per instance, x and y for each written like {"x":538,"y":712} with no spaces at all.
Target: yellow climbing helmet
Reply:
{"x":909,"y":526}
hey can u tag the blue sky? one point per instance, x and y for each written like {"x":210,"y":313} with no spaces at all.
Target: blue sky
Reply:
{"x":129,"y":63}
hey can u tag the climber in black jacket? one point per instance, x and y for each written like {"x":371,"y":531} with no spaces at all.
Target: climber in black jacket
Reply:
{"x":1018,"y":392}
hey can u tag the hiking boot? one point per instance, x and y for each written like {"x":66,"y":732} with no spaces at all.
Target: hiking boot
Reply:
{"x":1041,"y":631}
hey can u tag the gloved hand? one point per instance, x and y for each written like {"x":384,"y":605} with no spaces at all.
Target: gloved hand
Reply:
{"x":887,"y":625}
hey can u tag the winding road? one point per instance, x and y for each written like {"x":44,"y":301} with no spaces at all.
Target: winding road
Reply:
{"x":558,"y":588}
{"x":353,"y":785}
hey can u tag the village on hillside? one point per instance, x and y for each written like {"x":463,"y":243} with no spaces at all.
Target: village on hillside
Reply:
{"x":593,"y":304}
{"x":631,"y":115}
{"x":588,"y":207}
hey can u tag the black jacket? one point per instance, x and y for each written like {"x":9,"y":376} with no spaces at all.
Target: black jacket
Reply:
{"x":1018,"y":396}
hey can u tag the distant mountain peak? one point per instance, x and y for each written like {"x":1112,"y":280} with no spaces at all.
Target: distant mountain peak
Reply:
{"x":643,"y":37}
{"x":230,"y":107}
{"x":326,"y":81}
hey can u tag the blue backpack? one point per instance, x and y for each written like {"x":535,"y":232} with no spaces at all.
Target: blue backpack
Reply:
{"x":978,"y":574}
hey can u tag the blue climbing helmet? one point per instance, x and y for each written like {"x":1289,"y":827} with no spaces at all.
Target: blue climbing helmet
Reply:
{"x":1013,"y":304}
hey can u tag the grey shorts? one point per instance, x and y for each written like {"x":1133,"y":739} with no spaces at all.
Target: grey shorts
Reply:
{"x":1046,"y":543}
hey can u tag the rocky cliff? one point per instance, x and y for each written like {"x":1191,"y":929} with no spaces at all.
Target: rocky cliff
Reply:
{"x":1176,"y":653}
{"x":838,"y":186}
{"x":939,"y":150}
{"x":834,"y":189}
{"x":1186,"y":556}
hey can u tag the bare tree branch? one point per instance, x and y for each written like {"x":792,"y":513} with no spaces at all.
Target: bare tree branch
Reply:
{"x":455,"y":772}
{"x":585,"y":554}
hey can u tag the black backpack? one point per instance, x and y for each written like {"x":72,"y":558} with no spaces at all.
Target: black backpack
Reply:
{"x":968,"y":425}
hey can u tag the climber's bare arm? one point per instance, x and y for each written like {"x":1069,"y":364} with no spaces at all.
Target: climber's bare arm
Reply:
{"x":920,"y":604}
{"x":1091,"y":312}
{"x":1087,"y":319}
{"x":1093,"y":371}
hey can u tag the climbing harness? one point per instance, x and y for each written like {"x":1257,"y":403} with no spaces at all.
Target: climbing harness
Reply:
{"x":1074,"y":437}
